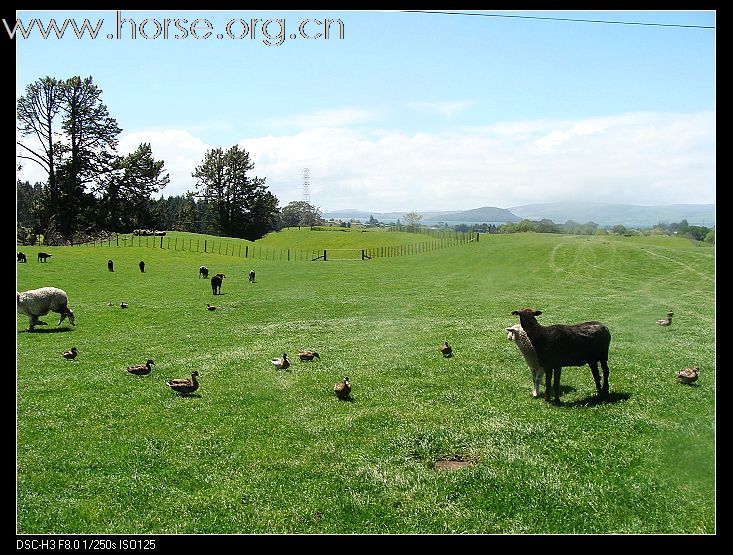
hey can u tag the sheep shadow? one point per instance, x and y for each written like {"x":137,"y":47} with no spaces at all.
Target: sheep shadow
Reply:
{"x":596,"y":400}
{"x":564,"y":390}
{"x":47,"y":330}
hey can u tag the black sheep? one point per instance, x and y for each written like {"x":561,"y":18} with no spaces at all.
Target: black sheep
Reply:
{"x":22,"y":257}
{"x":561,"y":345}
{"x":110,"y":266}
{"x":216,"y":283}
{"x":43,"y":256}
{"x":142,"y":266}
{"x":251,"y":276}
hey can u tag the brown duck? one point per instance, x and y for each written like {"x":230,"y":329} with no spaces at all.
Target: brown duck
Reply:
{"x":666,"y":321}
{"x":70,"y":354}
{"x":342,"y":389}
{"x":688,"y":375}
{"x":281,"y":362}
{"x":184,"y":386}
{"x":141,"y":369}
{"x":308,"y":355}
{"x":446,"y":349}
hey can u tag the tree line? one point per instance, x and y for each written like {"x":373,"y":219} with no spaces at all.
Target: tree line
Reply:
{"x":67,"y":130}
{"x":697,"y":233}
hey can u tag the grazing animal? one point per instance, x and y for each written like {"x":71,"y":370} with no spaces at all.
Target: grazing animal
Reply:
{"x":216,"y":283}
{"x":70,"y":354}
{"x":251,"y":276}
{"x":308,"y":355}
{"x":141,"y":369}
{"x":110,"y":266}
{"x":210,"y":306}
{"x":142,"y":266}
{"x":43,"y":256}
{"x":688,"y":375}
{"x":281,"y":363}
{"x":446,"y":349}
{"x":561,"y":345}
{"x":342,"y":389}
{"x":39,"y":302}
{"x":184,"y":386}
{"x":109,"y":303}
{"x":22,"y":257}
{"x":203,"y":272}
{"x":668,"y":320}
{"x":521,"y":339}
{"x":123,"y":305}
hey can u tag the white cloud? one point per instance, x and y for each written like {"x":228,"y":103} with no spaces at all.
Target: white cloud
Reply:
{"x":336,"y":117}
{"x":446,"y":109}
{"x":643,"y":158}
{"x":630,"y":158}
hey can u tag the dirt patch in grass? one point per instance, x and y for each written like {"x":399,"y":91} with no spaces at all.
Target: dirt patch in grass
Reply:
{"x":453,"y":463}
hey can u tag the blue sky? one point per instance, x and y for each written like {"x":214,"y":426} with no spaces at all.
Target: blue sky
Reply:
{"x":409,"y":111}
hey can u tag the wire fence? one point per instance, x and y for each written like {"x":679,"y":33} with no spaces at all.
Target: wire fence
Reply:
{"x":239,"y":249}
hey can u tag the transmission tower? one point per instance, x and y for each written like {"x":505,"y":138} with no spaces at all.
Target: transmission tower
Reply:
{"x":306,"y":185}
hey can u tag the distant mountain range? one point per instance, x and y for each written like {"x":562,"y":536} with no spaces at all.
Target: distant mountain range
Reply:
{"x":559,"y":212}
{"x":612,"y":214}
{"x":487,"y":214}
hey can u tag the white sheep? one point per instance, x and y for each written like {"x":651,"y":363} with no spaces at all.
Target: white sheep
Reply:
{"x":520,"y":338}
{"x":38,"y":302}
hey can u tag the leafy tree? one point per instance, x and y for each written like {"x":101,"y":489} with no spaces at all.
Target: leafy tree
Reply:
{"x":619,"y":229}
{"x":126,"y":193}
{"x":36,"y":111}
{"x":89,"y":152}
{"x":412,"y":219}
{"x":241,"y":203}
{"x":300,"y":213}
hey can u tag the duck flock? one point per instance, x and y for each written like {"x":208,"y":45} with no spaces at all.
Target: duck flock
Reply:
{"x":342,"y":389}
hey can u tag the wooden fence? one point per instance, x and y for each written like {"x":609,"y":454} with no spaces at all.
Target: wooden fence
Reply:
{"x":259,"y":252}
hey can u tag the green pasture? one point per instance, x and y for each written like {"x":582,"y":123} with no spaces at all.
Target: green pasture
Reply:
{"x":301,"y":244}
{"x":260,"y":450}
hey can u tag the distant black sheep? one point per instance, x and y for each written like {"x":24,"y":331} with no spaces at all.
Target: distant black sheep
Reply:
{"x":203,"y":271}
{"x":22,"y":257}
{"x":561,"y":345}
{"x":43,"y":256}
{"x":110,"y":266}
{"x":251,"y":276}
{"x":216,"y":283}
{"x":142,"y":266}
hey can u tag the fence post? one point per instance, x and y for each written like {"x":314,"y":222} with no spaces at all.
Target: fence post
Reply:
{"x":161,"y":241}
{"x":324,"y":255}
{"x":246,"y":250}
{"x":205,"y":241}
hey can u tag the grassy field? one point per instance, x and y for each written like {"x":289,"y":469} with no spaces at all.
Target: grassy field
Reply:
{"x":258,"y":450}
{"x":301,"y":245}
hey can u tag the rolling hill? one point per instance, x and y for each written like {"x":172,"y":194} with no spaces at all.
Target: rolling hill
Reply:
{"x":604,"y":214}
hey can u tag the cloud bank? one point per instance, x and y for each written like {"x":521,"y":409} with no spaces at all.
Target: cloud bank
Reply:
{"x":635,"y":158}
